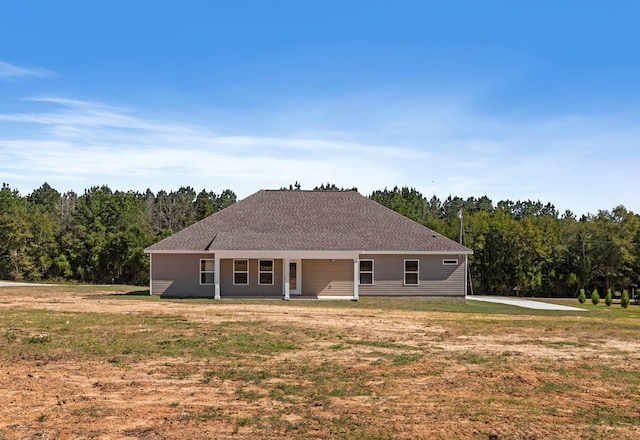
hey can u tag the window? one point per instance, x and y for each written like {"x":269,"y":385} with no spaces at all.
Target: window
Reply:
{"x":207,"y":272}
{"x":366,"y":272}
{"x":411,"y":271}
{"x":240,"y":271}
{"x":450,"y":262}
{"x":265,"y":272}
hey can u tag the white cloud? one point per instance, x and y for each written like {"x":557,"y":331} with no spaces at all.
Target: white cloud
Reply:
{"x":96,"y":144}
{"x":578,"y":163}
{"x":11,"y":71}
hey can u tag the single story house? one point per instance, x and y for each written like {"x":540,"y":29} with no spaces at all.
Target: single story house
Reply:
{"x":319,"y":244}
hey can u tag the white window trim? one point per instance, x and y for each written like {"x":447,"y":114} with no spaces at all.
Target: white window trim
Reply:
{"x":450,"y":262}
{"x":240,"y":271}
{"x":372,"y":272}
{"x":260,"y":272}
{"x":207,"y":271}
{"x":405,"y":272}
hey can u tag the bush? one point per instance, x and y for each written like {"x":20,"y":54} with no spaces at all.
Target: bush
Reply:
{"x":595,"y":297}
{"x":609,"y":299}
{"x":624,"y":300}
{"x":582,"y":298}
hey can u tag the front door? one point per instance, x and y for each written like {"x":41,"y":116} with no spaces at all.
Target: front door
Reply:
{"x":295,"y":285}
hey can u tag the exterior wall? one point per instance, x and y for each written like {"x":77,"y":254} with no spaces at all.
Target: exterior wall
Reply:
{"x":327,"y":277}
{"x":178,"y":275}
{"x":228,"y":289}
{"x":435,"y":278}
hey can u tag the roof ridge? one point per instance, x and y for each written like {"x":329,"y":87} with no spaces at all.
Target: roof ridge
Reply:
{"x":310,"y":190}
{"x":304,"y":220}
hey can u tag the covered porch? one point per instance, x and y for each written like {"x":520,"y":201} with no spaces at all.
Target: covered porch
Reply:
{"x":287,"y":275}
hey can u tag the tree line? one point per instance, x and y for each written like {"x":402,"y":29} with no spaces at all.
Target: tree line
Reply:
{"x":522,"y":247}
{"x":529,"y":248}
{"x":96,"y":237}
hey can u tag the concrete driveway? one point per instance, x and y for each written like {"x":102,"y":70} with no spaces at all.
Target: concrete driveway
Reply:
{"x":526,"y":303}
{"x":14,"y":284}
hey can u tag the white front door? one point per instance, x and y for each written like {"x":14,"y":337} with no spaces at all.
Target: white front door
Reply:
{"x":295,"y":277}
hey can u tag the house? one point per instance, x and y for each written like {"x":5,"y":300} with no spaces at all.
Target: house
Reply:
{"x":319,"y":244}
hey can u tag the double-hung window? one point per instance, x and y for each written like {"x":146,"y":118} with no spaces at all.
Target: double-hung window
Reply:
{"x":207,"y":272}
{"x":366,"y":272}
{"x":411,"y":272}
{"x":240,"y":271}
{"x":265,"y":272}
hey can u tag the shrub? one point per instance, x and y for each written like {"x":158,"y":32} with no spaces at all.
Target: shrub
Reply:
{"x":624,"y":300}
{"x":582,"y":298}
{"x":595,"y":297}
{"x":609,"y":299}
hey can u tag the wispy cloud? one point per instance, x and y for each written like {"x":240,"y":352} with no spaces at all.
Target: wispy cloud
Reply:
{"x":11,"y":72}
{"x":95,"y":143}
{"x":577,"y":162}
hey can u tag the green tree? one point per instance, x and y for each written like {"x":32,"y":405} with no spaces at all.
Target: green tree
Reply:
{"x":205,"y":204}
{"x":582,"y":298}
{"x":612,"y":247}
{"x":47,"y":200}
{"x":624,"y":300}
{"x":15,"y":235}
{"x":609,"y":298}
{"x":225,"y":199}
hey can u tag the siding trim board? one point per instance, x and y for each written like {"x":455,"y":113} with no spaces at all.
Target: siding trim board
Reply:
{"x":256,"y":253}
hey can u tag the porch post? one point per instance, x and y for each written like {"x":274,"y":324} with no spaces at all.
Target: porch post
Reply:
{"x":216,"y":278}
{"x":287,"y":274}
{"x":151,"y":274}
{"x":356,"y":278}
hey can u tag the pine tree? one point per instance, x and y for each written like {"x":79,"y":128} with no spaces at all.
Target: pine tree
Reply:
{"x":609,"y":299}
{"x":595,"y":297}
{"x":624,"y":301}
{"x":582,"y":298}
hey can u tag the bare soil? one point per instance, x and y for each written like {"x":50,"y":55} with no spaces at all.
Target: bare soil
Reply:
{"x":440,"y":375}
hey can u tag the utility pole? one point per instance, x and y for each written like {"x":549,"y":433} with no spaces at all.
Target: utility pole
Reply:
{"x":460,"y":218}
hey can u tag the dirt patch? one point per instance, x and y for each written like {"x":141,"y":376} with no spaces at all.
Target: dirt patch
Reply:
{"x":326,"y":372}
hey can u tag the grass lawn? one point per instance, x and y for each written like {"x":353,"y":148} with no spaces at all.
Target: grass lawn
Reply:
{"x":105,"y":362}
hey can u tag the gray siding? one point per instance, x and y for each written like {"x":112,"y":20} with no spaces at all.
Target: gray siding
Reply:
{"x":327,"y":277}
{"x":178,"y":275}
{"x":228,"y":289}
{"x":436,"y":279}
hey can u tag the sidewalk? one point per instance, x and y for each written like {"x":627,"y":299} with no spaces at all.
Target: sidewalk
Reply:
{"x":15,"y":284}
{"x":526,"y":303}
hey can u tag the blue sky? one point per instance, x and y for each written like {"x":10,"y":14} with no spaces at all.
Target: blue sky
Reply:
{"x":510,"y":99}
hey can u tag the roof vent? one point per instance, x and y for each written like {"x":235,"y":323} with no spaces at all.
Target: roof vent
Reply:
{"x":434,"y":235}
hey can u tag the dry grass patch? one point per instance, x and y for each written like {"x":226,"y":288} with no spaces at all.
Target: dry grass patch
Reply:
{"x":88,"y":363}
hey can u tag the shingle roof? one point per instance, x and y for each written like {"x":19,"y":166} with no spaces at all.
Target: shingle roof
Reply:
{"x":307,"y":221}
